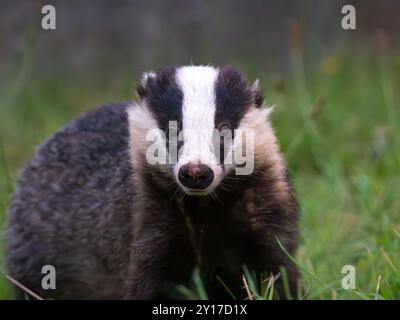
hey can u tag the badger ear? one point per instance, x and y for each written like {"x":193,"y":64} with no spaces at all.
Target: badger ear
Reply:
{"x":257,"y":94}
{"x":142,"y":85}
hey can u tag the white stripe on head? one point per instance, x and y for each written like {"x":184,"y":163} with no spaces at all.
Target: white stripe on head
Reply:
{"x":198,"y":112}
{"x":198,"y":115}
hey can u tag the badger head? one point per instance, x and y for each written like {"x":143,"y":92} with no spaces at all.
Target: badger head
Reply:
{"x":196,"y":126}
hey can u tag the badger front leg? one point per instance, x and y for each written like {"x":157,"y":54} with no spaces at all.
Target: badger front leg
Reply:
{"x":160,"y":254}
{"x":272,"y":221}
{"x":277,"y":243}
{"x":145,"y":272}
{"x":277,"y":263}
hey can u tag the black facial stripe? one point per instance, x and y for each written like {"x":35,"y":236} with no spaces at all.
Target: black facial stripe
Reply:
{"x":164,"y":97}
{"x":233,"y":97}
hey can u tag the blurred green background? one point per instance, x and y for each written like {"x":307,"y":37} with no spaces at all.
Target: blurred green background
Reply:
{"x":336,"y":94}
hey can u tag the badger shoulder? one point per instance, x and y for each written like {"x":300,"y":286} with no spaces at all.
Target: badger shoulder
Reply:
{"x":88,"y":156}
{"x":94,"y":141}
{"x":99,"y":132}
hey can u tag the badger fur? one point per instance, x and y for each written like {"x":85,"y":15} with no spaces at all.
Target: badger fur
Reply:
{"x":115,"y":226}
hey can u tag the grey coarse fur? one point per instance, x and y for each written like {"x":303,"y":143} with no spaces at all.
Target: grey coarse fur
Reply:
{"x":72,"y":209}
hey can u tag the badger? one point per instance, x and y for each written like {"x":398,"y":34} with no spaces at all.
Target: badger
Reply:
{"x":115,"y":225}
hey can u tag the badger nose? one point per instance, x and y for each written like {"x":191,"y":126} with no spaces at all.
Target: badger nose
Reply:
{"x":195,"y":176}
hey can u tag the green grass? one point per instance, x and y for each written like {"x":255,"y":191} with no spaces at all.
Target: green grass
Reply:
{"x":338,"y":126}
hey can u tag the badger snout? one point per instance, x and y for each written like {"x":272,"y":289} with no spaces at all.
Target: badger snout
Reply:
{"x":196,"y":176}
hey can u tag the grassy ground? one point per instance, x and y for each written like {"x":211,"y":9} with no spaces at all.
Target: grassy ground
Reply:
{"x":338,"y":124}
